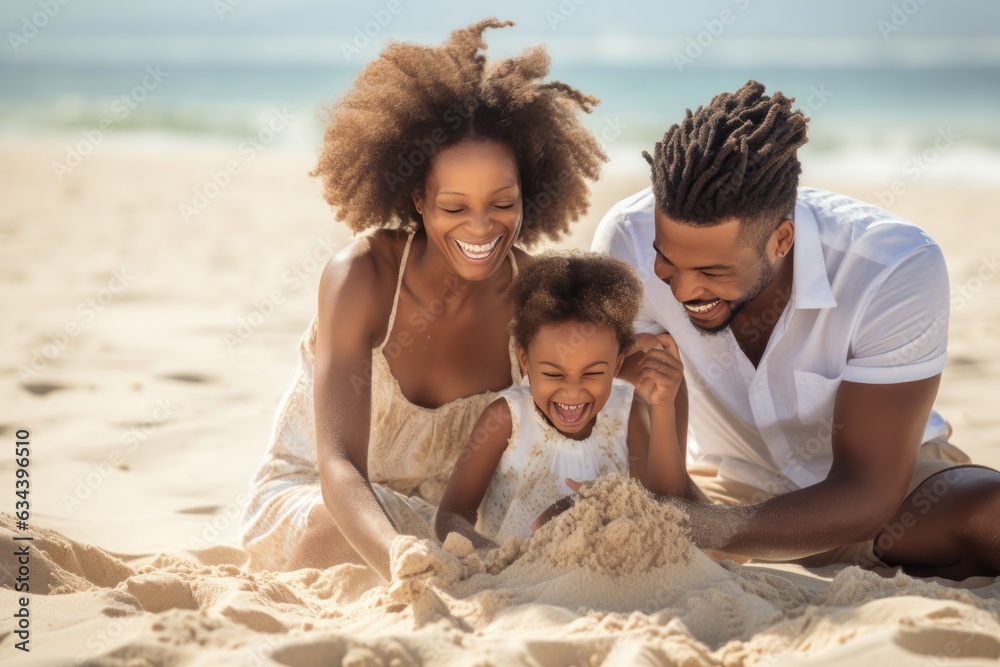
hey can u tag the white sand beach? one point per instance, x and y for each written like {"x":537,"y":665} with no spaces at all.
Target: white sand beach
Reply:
{"x":146,"y":353}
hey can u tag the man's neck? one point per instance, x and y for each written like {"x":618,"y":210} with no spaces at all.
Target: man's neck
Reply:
{"x":753,"y":326}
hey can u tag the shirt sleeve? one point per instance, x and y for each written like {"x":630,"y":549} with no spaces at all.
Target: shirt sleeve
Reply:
{"x":902,"y":336}
{"x":611,"y":238}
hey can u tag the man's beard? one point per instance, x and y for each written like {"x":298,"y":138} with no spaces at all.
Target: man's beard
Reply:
{"x":766,"y":276}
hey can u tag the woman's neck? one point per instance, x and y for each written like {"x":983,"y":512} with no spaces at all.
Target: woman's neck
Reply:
{"x":436,"y":278}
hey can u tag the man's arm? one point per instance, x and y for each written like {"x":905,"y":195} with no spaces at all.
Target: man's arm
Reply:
{"x":879,"y":416}
{"x":878,"y":429}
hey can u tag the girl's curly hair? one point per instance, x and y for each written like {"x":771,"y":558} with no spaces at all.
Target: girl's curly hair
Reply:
{"x":572,"y":285}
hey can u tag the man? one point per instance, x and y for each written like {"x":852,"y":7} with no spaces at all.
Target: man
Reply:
{"x":813,"y":332}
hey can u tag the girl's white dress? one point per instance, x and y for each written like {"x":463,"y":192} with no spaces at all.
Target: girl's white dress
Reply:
{"x":538,"y":459}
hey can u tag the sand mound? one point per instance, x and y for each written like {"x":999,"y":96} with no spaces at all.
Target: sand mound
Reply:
{"x":614,"y":529}
{"x":68,"y":567}
{"x":614,"y":580}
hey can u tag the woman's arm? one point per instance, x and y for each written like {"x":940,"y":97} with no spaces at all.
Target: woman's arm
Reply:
{"x":352,"y":284}
{"x":472,"y":474}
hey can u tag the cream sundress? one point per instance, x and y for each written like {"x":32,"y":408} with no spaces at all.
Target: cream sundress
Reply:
{"x":538,"y":458}
{"x":411,"y":453}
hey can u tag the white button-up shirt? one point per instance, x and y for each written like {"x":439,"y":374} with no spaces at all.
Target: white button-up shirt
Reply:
{"x":869,"y":304}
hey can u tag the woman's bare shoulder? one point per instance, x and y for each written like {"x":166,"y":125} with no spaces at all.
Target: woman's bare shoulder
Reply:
{"x":362,"y":276}
{"x":368,"y":263}
{"x":376,"y":252}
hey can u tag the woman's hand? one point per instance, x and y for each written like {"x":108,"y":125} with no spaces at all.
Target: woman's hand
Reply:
{"x":660,"y":371}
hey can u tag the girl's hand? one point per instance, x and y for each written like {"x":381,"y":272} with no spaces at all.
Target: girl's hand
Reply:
{"x":660,"y":372}
{"x":643,"y":342}
{"x":559,"y":506}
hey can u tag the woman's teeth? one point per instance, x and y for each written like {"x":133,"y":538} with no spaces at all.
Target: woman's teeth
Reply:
{"x":473,"y":251}
{"x":703,"y":308}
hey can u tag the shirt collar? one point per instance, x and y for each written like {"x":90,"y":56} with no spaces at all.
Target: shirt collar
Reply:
{"x":810,"y":284}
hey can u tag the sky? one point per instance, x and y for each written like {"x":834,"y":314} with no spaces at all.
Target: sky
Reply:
{"x":792,"y":32}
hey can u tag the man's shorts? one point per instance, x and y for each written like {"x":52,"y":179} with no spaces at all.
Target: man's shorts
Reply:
{"x":934,"y":456}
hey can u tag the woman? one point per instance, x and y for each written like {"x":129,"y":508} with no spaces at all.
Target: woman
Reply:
{"x":452,"y":160}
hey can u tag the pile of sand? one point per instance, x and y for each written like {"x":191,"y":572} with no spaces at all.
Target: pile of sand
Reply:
{"x":614,"y":580}
{"x":614,"y":530}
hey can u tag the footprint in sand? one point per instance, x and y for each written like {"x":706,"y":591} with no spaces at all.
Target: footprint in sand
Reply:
{"x":958,"y":643}
{"x":202,"y":509}
{"x":42,"y":388}
{"x":192,"y":378}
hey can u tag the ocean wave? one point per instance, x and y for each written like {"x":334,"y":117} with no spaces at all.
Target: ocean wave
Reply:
{"x":965,"y":162}
{"x":868,"y":149}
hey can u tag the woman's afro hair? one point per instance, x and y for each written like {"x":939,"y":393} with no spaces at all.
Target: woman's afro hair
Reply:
{"x":414,"y":100}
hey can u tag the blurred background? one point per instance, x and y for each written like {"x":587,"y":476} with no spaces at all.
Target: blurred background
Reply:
{"x":882,"y":80}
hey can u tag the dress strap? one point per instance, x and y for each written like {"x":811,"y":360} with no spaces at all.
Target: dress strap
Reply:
{"x":395,"y":297}
{"x":515,"y":366}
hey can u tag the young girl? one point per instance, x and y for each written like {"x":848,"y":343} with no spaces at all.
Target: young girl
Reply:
{"x":569,"y":419}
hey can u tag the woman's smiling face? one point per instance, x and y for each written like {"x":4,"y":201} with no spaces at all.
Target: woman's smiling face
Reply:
{"x":471,"y":206}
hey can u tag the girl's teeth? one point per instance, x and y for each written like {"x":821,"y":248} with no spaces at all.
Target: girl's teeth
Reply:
{"x":570,"y":413}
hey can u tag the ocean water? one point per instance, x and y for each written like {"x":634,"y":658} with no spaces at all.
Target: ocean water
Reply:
{"x":870,"y":124}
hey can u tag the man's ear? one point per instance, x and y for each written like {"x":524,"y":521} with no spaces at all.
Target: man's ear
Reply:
{"x":783,"y":237}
